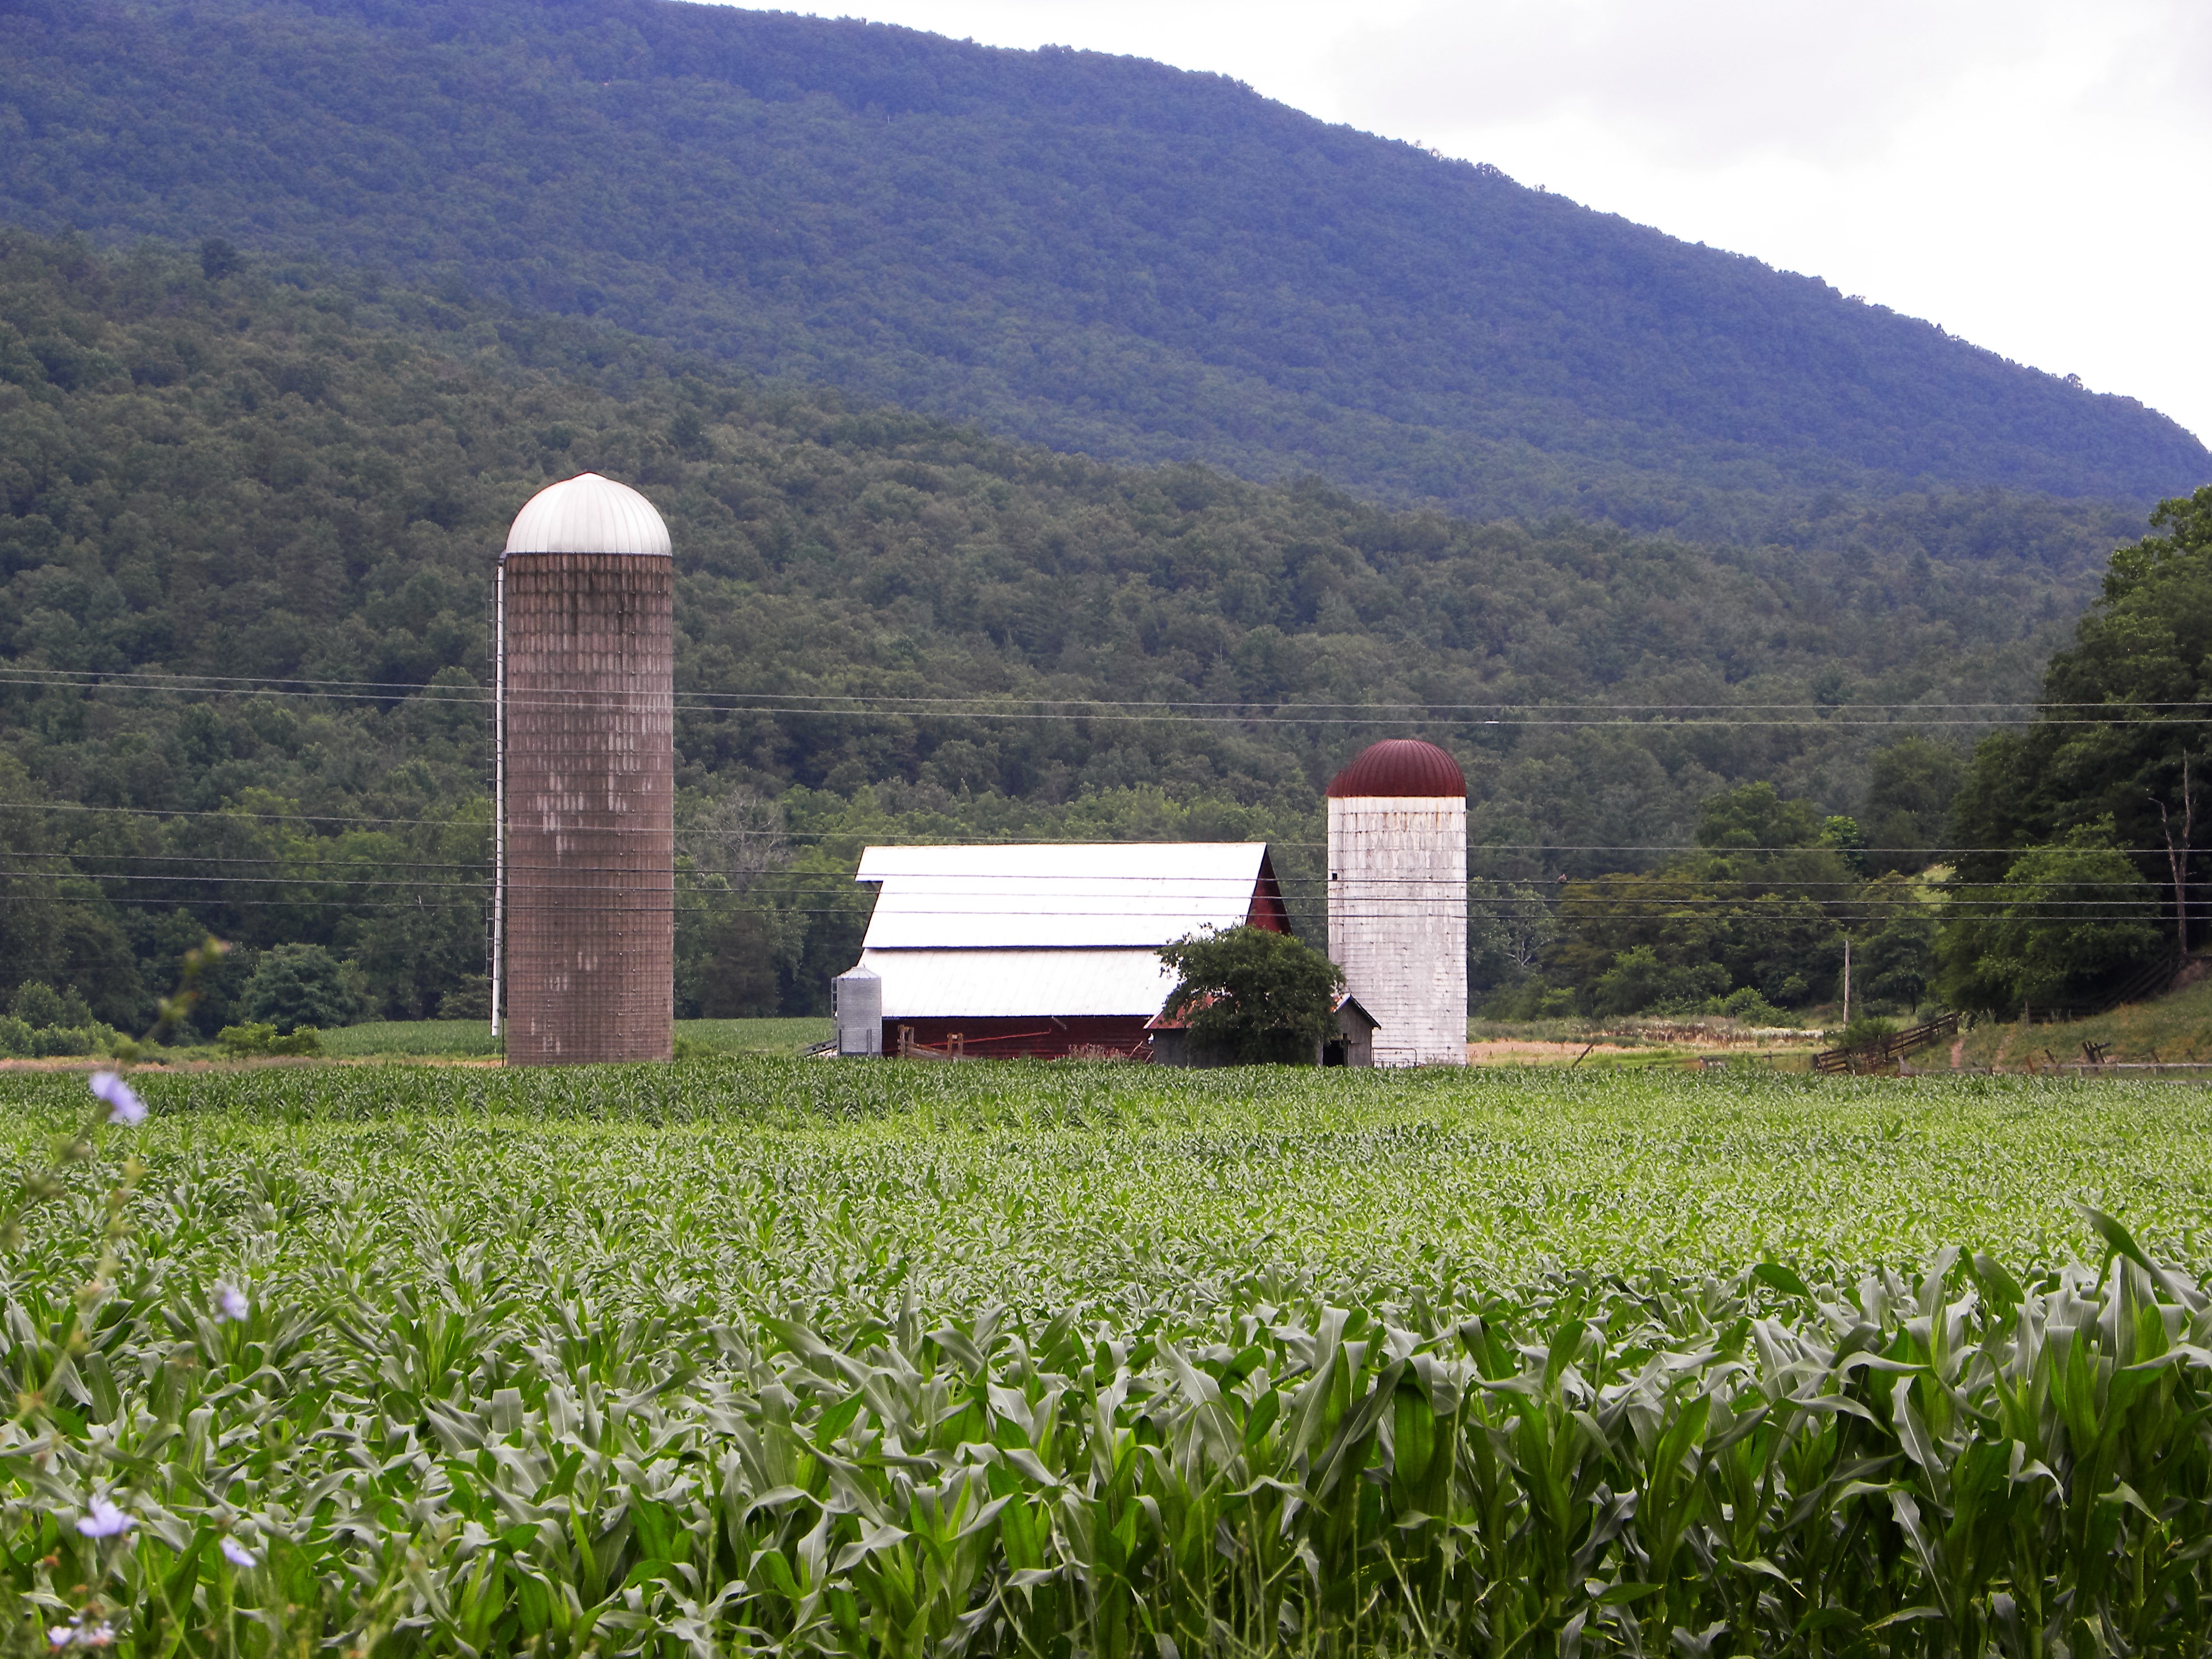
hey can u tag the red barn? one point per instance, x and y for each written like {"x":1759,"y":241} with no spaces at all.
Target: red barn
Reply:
{"x":1046,"y":951}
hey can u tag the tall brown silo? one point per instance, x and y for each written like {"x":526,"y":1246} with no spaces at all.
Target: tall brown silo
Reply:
{"x":586,"y":902}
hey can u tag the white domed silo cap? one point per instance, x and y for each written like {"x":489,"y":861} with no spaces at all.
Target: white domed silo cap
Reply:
{"x":589,"y":514}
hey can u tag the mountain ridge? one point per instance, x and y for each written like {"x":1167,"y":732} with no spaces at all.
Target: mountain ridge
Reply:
{"x":1103,"y":254}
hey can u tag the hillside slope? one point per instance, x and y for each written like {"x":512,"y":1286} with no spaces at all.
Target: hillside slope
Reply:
{"x":1101,"y":254}
{"x":884,"y":620}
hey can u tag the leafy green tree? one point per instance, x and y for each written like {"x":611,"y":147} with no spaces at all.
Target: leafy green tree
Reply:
{"x":1909,"y":787}
{"x":166,"y":944}
{"x":2066,"y":918}
{"x":1254,"y":996}
{"x":219,"y":258}
{"x":91,"y":952}
{"x":297,"y":985}
{"x":1898,"y":963}
{"x":29,"y":894}
{"x":2118,"y":742}
{"x":1754,"y":816}
{"x":1761,"y":904}
{"x":1508,"y":926}
{"x":1639,"y":981}
{"x":737,"y":974}
{"x":1843,"y":835}
{"x":38,"y":1003}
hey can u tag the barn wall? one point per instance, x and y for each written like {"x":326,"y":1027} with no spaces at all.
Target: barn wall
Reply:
{"x":1267,"y":911}
{"x":1397,"y":921}
{"x":1028,"y":1038}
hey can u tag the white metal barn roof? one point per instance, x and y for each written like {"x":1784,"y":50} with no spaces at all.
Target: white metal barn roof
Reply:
{"x":589,"y":514}
{"x":987,"y":984}
{"x":1124,"y":895}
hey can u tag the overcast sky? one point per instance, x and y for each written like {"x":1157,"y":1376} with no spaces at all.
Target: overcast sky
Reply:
{"x":2029,"y":173}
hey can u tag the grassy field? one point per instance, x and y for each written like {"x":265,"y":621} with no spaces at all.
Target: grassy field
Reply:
{"x":782,"y":1356}
{"x":2176,"y":1027}
{"x":755,"y":1036}
{"x":396,"y":1039}
{"x":463,"y":1039}
{"x":1636,"y":1044}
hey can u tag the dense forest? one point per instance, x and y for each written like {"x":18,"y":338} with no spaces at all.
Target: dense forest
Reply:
{"x":1102,"y":255}
{"x":2078,"y":835}
{"x":249,"y":512}
{"x":2068,"y":849}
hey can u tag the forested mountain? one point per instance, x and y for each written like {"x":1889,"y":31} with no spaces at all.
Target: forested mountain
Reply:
{"x":2073,"y":843}
{"x":292,"y":489}
{"x":1100,"y":254}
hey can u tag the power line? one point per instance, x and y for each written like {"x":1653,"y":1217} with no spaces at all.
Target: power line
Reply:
{"x":1610,"y":890}
{"x":863,"y":836}
{"x":1718,"y":909}
{"x":131,"y":678}
{"x":948,"y":886}
{"x":1046,"y":709}
{"x":238,"y":815}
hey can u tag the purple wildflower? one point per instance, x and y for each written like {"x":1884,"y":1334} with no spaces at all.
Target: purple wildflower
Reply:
{"x":104,"y":1520}
{"x":122,"y":1102}
{"x":238,"y":1555}
{"x":230,"y":1303}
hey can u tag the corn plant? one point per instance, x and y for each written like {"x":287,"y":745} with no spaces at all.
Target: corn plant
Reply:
{"x":629,"y":1363}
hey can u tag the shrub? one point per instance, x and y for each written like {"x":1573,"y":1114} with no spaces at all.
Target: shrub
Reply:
{"x":1531,"y":999}
{"x":44,"y":1024}
{"x":261,"y":1038}
{"x":1252,"y":996}
{"x":1751,"y":1009}
{"x":1639,"y":979}
{"x":37,"y":1003}
{"x":63,"y":1042}
{"x":1865,"y":1032}
{"x":471,"y":1000}
{"x":246,"y":1039}
{"x":298,"y":985}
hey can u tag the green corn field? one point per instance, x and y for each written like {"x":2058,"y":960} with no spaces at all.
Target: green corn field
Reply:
{"x":776,"y":1356}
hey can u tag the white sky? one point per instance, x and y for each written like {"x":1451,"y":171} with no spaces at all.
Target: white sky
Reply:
{"x":2029,"y":173}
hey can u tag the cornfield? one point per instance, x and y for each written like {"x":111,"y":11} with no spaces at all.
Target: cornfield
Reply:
{"x":1074,"y":1361}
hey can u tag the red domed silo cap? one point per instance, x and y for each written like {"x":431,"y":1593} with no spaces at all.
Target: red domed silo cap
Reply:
{"x":1400,"y":766}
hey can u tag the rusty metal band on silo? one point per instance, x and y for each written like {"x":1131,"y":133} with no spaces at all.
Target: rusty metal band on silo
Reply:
{"x":591,"y":763}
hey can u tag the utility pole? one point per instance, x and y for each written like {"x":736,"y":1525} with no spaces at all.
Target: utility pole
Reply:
{"x":498,"y":788}
{"x":1847,"y":979}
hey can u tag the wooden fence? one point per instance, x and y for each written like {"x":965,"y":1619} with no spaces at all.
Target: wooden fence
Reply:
{"x":1885,"y":1051}
{"x":2145,"y":981}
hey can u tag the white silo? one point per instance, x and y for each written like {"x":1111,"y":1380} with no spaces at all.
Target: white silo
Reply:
{"x":1397,"y":897}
